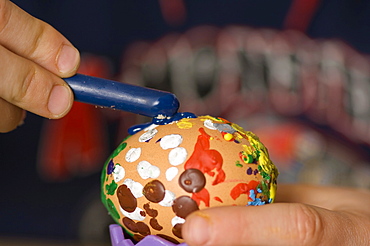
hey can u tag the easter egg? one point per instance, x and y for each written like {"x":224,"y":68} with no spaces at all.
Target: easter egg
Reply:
{"x":167,"y":170}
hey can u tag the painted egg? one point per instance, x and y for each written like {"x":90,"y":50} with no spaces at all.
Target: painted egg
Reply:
{"x":162,"y":173}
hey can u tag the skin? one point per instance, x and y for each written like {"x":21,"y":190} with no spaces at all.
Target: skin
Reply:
{"x":32,"y":63}
{"x":301,"y":215}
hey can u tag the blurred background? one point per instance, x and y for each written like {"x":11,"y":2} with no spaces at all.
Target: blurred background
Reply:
{"x":294,"y":72}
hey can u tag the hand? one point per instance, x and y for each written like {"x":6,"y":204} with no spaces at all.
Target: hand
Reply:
{"x":33,"y":58}
{"x":302,"y":215}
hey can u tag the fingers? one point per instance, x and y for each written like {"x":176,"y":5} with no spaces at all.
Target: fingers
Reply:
{"x":35,"y":40}
{"x":12,"y":113}
{"x":31,"y":87}
{"x":273,"y":224}
{"x":33,"y":57}
{"x":324,"y":196}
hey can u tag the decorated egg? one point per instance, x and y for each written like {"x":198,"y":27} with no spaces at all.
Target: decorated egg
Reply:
{"x":174,"y":166}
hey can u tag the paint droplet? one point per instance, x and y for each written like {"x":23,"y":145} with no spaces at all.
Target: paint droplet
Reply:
{"x":218,"y":199}
{"x":168,"y":199}
{"x":192,"y":180}
{"x":126,"y":199}
{"x":177,"y":220}
{"x":110,"y":167}
{"x":154,"y":191}
{"x":177,"y":156}
{"x":183,"y":206}
{"x":133,"y":154}
{"x":209,"y":124}
{"x":146,"y":136}
{"x":184,"y":125}
{"x":135,"y":187}
{"x":147,"y":170}
{"x":171,"y":173}
{"x":171,"y":141}
{"x":137,"y":214}
{"x":249,"y":171}
{"x":228,"y":136}
{"x":118,"y":173}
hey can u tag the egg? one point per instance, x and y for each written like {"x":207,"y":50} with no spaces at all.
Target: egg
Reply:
{"x":174,"y":166}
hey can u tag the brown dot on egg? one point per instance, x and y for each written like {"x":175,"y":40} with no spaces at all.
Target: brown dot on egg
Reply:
{"x":192,"y":180}
{"x":183,"y":206}
{"x":143,"y":228}
{"x":154,"y":191}
{"x":142,"y":213}
{"x":130,"y":224}
{"x":139,"y":227}
{"x":155,"y":224}
{"x":176,"y":230}
{"x":151,"y":212}
{"x":126,"y":199}
{"x":137,"y":237}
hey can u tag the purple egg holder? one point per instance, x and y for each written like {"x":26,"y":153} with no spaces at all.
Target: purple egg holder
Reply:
{"x":118,"y":239}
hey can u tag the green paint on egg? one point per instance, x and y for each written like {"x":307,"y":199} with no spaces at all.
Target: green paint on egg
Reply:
{"x":265,"y":188}
{"x":238,"y":164}
{"x":249,"y":159}
{"x":111,"y":188}
{"x":112,"y":209}
{"x":121,"y":147}
{"x":264,"y":174}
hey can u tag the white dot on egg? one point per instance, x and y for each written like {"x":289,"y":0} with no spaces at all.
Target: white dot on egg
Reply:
{"x":177,"y":156}
{"x":177,"y":220}
{"x":136,"y":215}
{"x":147,"y":170}
{"x":133,"y":154}
{"x":171,"y":173}
{"x":170,"y":141}
{"x":154,"y":172}
{"x":146,"y":136}
{"x":209,"y":124}
{"x":118,"y":173}
{"x":135,"y":187}
{"x":168,"y":199}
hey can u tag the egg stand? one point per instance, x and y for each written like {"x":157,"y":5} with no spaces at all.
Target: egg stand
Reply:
{"x":118,"y":239}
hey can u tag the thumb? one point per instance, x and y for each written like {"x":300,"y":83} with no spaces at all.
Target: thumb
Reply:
{"x":277,"y":224}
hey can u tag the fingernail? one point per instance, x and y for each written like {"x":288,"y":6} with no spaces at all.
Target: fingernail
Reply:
{"x":59,"y":100}
{"x":199,"y":228}
{"x":67,"y":59}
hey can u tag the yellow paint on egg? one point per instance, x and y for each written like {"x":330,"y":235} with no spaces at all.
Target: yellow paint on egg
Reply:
{"x":184,"y":124}
{"x":228,"y":136}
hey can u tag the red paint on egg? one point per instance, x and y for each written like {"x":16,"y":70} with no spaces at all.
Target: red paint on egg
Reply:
{"x":202,"y":196}
{"x":218,"y":199}
{"x":243,"y":188}
{"x":206,"y":159}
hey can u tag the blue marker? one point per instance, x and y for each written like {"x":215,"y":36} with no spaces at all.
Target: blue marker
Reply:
{"x":126,"y":97}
